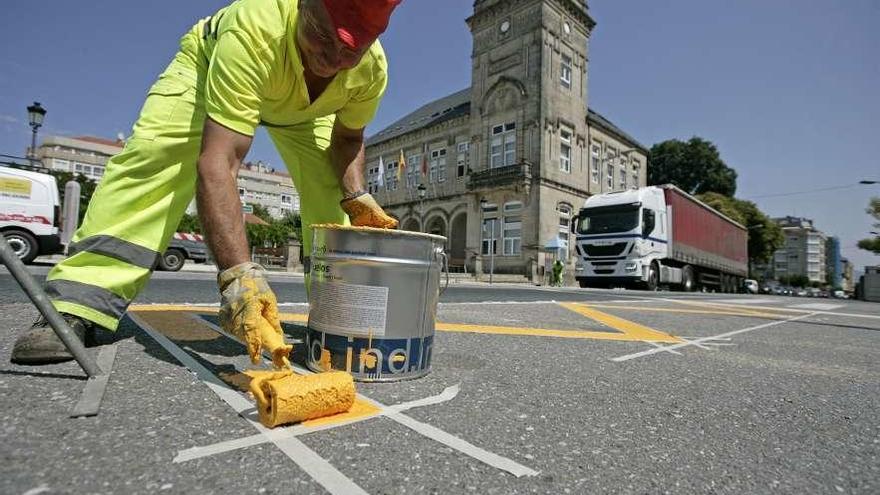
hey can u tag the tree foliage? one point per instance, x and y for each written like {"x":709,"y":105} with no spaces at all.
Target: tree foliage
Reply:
{"x":873,"y":243}
{"x":695,"y":166}
{"x":765,"y":235}
{"x":275,"y":234}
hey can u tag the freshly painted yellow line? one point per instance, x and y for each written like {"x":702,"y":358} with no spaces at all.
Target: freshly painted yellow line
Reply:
{"x":626,"y":330}
{"x":756,"y":311}
{"x":631,"y":329}
{"x":563,"y":334}
{"x":684,"y":311}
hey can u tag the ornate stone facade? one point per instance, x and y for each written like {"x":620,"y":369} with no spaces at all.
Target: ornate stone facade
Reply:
{"x":518,"y":152}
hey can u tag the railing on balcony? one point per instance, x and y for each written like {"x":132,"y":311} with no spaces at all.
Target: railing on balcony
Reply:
{"x":501,"y":175}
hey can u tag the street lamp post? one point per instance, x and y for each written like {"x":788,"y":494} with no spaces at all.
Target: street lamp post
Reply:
{"x":483,"y":204}
{"x":422,"y":190}
{"x":36,"y":114}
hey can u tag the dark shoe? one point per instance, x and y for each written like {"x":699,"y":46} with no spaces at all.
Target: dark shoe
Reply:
{"x":40,"y":345}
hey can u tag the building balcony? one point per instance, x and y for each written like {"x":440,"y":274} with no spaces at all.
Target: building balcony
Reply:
{"x":501,"y":176}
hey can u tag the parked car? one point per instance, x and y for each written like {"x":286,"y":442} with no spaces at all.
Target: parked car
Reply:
{"x":751,"y":286}
{"x":801,"y":293}
{"x":183,"y":246}
{"x":30,"y":212}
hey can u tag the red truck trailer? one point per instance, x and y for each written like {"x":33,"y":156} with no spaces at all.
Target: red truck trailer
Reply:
{"x":659,"y":235}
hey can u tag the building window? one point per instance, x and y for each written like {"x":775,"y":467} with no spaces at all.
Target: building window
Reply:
{"x":59,"y":164}
{"x":609,"y":176}
{"x":512,"y":231}
{"x":502,"y":151}
{"x":564,"y":210}
{"x":438,"y":165}
{"x":636,"y":170}
{"x":565,"y":72}
{"x":594,"y":163}
{"x":565,"y":150}
{"x":461,"y":162}
{"x":489,"y":234}
{"x":623,"y":175}
{"x":391,"y":176}
{"x":413,"y":164}
{"x":97,"y":171}
{"x":286,"y":199}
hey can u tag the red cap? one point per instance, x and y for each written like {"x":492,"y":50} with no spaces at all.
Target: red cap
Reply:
{"x":359,"y":22}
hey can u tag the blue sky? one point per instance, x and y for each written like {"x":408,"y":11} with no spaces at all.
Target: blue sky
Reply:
{"x":787,"y":89}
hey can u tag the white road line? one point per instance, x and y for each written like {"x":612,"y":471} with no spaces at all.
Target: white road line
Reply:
{"x":308,"y":460}
{"x":741,"y":301}
{"x":707,"y":339}
{"x":425,"y":429}
{"x":296,"y":430}
{"x":662,"y":347}
{"x":819,"y":306}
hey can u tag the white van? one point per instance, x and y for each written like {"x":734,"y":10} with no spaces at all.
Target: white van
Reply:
{"x":30,"y":212}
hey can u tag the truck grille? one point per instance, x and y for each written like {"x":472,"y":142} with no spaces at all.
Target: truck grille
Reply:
{"x":609,"y":250}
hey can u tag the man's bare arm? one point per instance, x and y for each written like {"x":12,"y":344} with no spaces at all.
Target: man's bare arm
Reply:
{"x":217,"y":193}
{"x":347,"y":156}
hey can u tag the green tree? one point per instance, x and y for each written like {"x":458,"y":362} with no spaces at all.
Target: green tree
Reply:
{"x":190,"y":223}
{"x":695,"y":166}
{"x":800,"y":281}
{"x":86,"y":189}
{"x":765,"y":235}
{"x":873,"y":243}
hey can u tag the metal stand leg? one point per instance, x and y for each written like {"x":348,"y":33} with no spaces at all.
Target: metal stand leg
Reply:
{"x":98,"y":375}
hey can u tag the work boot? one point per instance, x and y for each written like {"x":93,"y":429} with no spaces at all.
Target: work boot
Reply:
{"x":40,"y":345}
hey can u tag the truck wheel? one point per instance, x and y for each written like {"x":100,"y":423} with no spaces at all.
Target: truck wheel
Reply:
{"x":583,"y":283}
{"x":653,"y":282}
{"x":23,"y":244}
{"x":687,"y":278}
{"x":172,"y":260}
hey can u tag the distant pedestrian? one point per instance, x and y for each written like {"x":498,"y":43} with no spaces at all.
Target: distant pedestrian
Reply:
{"x":556,"y":274}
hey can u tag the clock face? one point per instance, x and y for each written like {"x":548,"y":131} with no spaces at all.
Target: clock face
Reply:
{"x":567,"y":28}
{"x":505,"y":26}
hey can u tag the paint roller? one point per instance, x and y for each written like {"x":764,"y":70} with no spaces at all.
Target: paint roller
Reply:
{"x":284,"y":397}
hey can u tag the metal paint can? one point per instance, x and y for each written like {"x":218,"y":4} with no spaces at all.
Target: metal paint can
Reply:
{"x":373,"y":301}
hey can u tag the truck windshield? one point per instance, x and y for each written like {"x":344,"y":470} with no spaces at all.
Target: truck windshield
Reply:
{"x":608,"y":220}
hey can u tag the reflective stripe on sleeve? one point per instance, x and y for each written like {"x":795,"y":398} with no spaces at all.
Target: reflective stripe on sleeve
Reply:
{"x":114,"y":247}
{"x":91,"y":296}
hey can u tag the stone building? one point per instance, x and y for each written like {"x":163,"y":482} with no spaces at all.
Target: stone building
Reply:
{"x":506,"y":163}
{"x":263,"y":185}
{"x":85,"y":155}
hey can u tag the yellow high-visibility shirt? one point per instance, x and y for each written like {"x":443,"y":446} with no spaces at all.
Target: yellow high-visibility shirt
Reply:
{"x":255,"y":74}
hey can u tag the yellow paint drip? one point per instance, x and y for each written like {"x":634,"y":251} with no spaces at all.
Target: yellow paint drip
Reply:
{"x":399,"y":358}
{"x":284,"y":397}
{"x":324,"y":362}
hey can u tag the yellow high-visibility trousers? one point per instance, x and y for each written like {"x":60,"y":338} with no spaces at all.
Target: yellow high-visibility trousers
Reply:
{"x":146,"y":188}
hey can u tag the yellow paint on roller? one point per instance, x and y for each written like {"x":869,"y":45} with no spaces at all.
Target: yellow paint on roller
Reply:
{"x":632,"y":330}
{"x":284,"y":397}
{"x":360,"y":409}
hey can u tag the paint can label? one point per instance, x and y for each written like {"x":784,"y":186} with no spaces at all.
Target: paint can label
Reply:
{"x":371,"y":359}
{"x":339,"y":307}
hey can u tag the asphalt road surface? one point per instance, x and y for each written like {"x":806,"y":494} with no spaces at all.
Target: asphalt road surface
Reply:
{"x":532,"y":390}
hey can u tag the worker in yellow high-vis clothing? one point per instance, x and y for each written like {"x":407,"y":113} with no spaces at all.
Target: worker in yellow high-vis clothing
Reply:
{"x":313,"y":73}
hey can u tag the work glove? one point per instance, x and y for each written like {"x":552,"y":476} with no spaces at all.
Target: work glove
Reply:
{"x":249,"y":311}
{"x":364,"y":211}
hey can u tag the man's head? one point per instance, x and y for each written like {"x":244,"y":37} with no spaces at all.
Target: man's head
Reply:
{"x":333,"y":35}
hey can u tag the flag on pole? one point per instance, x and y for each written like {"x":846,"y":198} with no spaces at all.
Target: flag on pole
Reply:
{"x":425,"y":164}
{"x":401,"y":166}
{"x":381,"y":177}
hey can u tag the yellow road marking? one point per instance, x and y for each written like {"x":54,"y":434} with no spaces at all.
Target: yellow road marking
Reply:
{"x":726,"y":312}
{"x":756,"y":311}
{"x":626,"y":330}
{"x":632,"y":330}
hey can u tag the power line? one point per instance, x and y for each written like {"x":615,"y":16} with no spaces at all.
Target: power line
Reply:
{"x":807,"y":191}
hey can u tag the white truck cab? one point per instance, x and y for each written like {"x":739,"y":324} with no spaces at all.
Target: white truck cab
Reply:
{"x":30,"y":212}
{"x":619,"y":236}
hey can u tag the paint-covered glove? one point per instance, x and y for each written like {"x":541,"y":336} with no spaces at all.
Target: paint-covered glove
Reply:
{"x":364,"y":211}
{"x":249,"y":311}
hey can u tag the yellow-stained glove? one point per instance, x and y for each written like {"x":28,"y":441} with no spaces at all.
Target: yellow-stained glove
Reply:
{"x":249,"y":311}
{"x":364,"y":211}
